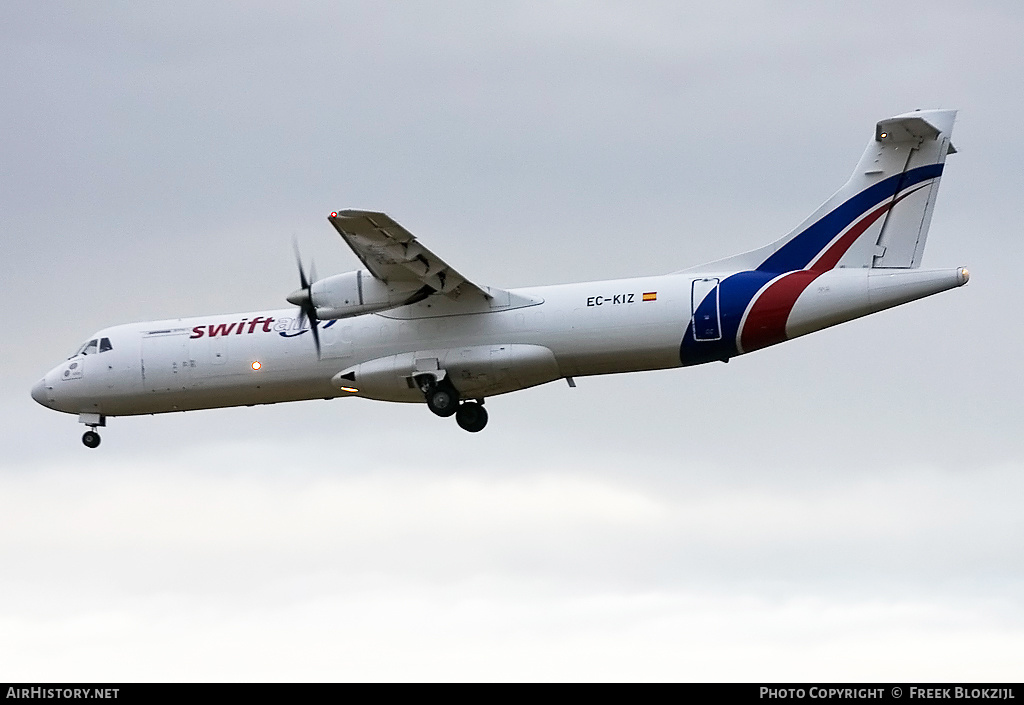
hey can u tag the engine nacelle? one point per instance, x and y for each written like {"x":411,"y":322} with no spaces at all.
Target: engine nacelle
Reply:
{"x":355,"y":293}
{"x":477,"y":371}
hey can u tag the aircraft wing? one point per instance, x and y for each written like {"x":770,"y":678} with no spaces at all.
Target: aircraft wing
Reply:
{"x":393,"y":254}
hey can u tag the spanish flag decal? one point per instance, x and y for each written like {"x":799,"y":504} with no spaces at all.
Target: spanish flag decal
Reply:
{"x":650,"y":296}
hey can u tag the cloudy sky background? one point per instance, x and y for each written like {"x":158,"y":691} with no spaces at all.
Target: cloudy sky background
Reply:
{"x":845,"y":506}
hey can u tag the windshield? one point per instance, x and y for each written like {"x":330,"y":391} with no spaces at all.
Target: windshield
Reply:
{"x":93,"y":347}
{"x":88,"y":348}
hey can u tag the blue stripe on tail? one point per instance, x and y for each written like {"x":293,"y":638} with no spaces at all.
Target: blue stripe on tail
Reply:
{"x":798,"y":252}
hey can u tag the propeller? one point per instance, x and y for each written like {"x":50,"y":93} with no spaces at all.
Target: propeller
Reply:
{"x":303,"y":298}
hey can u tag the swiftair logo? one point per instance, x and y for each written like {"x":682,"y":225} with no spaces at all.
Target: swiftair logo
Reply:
{"x":286,"y":327}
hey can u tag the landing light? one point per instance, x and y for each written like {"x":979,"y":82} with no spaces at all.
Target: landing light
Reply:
{"x":256,"y":364}
{"x":353,"y":390}
{"x":884,"y":135}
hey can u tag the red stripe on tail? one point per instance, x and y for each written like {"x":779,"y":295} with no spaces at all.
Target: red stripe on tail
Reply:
{"x":766,"y":321}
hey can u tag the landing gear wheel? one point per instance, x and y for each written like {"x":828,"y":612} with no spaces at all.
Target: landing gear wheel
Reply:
{"x":443,"y":400}
{"x":91,"y":439}
{"x":471,"y":417}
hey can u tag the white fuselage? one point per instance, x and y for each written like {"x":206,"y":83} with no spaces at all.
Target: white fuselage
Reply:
{"x":207,"y":362}
{"x":589,"y":328}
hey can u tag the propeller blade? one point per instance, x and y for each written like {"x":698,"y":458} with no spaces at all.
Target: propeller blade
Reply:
{"x":314,"y":326}
{"x":303,"y":297}
{"x":314,"y":322}
{"x":298,"y":260}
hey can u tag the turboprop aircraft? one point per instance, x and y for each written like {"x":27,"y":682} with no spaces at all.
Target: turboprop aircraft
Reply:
{"x":410,"y":328}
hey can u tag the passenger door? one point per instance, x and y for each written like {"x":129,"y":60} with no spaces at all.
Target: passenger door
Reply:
{"x":705,"y":317}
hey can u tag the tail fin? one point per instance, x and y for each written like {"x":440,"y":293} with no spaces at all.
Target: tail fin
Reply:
{"x":880,"y":217}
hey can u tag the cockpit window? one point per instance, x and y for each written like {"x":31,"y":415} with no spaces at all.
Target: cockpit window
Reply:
{"x":92,"y":347}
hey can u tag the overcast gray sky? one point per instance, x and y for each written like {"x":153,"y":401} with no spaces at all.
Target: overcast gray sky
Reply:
{"x":844,"y":506}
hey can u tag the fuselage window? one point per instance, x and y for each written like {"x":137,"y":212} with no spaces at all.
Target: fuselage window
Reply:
{"x":90,"y":348}
{"x":105,"y":345}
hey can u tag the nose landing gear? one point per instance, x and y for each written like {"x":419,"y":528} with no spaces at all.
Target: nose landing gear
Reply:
{"x":90,"y":438}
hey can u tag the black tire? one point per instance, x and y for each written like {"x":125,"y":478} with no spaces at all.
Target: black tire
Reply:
{"x":91,"y":439}
{"x":471,"y":417}
{"x":443,"y":400}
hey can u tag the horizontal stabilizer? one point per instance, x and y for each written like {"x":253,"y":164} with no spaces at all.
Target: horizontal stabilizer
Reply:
{"x":905,"y":129}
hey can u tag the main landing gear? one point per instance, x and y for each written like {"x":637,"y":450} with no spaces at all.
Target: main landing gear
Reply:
{"x":471,"y":416}
{"x":443,"y":399}
{"x":91,"y":439}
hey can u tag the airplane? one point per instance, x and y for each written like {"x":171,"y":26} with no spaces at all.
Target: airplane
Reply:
{"x":410,"y":328}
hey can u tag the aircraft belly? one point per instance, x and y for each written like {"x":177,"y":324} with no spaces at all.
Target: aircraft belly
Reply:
{"x":620,"y":349}
{"x":211,"y":398}
{"x":246,"y":386}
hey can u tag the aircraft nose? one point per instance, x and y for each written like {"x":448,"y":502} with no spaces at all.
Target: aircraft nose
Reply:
{"x":39,"y":392}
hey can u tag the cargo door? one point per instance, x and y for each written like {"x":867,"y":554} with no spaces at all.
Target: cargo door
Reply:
{"x":166,"y":366}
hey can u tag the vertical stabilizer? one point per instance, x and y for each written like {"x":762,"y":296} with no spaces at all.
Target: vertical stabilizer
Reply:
{"x":880,"y":217}
{"x":923,"y":140}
